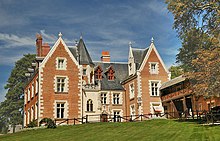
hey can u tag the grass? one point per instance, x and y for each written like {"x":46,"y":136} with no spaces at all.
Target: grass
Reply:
{"x":148,"y":130}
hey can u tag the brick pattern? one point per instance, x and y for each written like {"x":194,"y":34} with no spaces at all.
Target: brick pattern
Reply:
{"x":48,"y":94}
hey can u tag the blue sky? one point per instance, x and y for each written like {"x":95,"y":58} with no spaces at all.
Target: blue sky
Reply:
{"x":104,"y":24}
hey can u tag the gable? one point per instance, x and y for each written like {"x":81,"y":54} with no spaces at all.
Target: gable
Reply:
{"x":152,"y":52}
{"x":58,"y":43}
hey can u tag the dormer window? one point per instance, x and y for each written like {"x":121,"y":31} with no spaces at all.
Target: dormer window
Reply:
{"x":84,"y":71}
{"x":153,"y":67}
{"x":111,"y":74}
{"x":98,"y":73}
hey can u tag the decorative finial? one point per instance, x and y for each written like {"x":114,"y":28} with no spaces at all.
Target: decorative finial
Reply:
{"x":60,"y":34}
{"x":81,"y":36}
{"x":130,"y":44}
{"x":152,"y":40}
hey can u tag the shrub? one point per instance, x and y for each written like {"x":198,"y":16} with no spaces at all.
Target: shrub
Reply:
{"x":32,"y":124}
{"x":48,"y":122}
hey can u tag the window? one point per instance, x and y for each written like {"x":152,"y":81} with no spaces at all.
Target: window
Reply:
{"x":103,"y":98}
{"x":98,"y":73}
{"x":153,"y":68}
{"x":110,"y":73}
{"x":132,"y":110}
{"x":29,"y":94}
{"x":25,"y":97}
{"x":115,"y":98}
{"x":35,"y":110}
{"x":84,"y":71}
{"x":61,"y":63}
{"x":154,"y":88}
{"x":36,"y":87}
{"x":116,"y":116}
{"x":131,"y":89}
{"x":60,"y":110}
{"x":61,"y":84}
{"x":32,"y":90}
{"x":89,"y":105}
{"x":130,"y":66}
{"x":32,"y":113}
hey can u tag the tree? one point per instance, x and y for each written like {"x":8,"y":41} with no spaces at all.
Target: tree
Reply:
{"x":175,"y":71}
{"x":197,"y":23}
{"x":11,"y":108}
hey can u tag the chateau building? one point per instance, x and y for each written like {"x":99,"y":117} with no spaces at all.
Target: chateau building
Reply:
{"x":65,"y":83}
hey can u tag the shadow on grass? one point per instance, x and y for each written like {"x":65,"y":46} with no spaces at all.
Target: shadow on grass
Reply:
{"x":196,"y":121}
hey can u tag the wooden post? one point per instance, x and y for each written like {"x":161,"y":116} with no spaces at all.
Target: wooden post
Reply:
{"x":74,"y":121}
{"x":141,"y":117}
{"x":86,"y":118}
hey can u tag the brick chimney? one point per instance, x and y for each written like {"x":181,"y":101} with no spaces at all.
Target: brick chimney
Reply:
{"x":42,"y":49}
{"x":105,"y":56}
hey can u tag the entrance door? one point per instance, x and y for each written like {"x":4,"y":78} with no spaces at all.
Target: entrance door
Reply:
{"x":104,"y":118}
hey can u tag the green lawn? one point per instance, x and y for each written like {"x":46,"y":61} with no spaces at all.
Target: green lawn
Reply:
{"x":148,"y":130}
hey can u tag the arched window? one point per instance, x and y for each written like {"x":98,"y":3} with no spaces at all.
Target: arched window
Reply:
{"x":89,"y":105}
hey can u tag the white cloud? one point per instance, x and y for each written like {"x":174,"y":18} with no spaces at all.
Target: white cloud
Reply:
{"x":12,"y":41}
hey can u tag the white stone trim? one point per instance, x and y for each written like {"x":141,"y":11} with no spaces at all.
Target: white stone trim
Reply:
{"x":60,"y":40}
{"x":140,"y":103}
{"x":66,"y":87}
{"x":152,"y":47}
{"x":159,"y":84}
{"x":156,"y":69}
{"x":152,"y":108}
{"x":66,"y":108}
{"x":64,"y":63}
{"x":131,"y":95}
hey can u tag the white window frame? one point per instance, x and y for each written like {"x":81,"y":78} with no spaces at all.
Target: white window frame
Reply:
{"x":59,"y":107}
{"x":36,"y":86}
{"x":152,"y":90}
{"x":61,"y":66}
{"x":84,"y":71}
{"x":131,"y":90}
{"x":90,"y":105}
{"x":65,"y":87}
{"x":35,"y":111}
{"x":117,"y":114}
{"x":155,"y":69}
{"x":32,"y":90}
{"x":29,"y":94}
{"x":116,"y":98}
{"x":132,"y":110}
{"x":103,"y":96}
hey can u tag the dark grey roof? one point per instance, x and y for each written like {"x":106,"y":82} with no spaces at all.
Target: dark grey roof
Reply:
{"x":139,"y":55}
{"x":173,"y":82}
{"x":84,"y":57}
{"x":121,"y":72}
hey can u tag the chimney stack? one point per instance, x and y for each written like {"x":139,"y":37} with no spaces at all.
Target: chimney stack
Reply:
{"x":105,"y":56}
{"x":42,"y":49}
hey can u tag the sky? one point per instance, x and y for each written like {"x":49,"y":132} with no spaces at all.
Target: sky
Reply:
{"x":105,"y":25}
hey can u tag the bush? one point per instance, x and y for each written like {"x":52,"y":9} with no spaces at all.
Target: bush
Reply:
{"x":48,"y":122}
{"x":32,"y":124}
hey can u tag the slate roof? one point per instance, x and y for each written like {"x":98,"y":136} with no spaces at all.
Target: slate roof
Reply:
{"x":84,"y":57}
{"x":121,"y":72}
{"x":174,"y":81}
{"x":139,"y":55}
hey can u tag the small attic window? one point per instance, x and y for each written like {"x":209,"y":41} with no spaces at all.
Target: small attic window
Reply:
{"x":111,"y":74}
{"x":98,"y":73}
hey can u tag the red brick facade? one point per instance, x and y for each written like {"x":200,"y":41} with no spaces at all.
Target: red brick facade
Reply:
{"x":69,"y":85}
